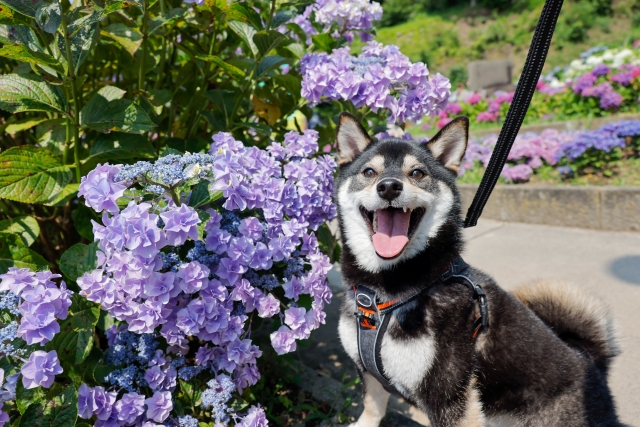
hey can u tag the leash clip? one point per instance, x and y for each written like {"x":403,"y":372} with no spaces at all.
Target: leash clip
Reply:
{"x":484,"y":310}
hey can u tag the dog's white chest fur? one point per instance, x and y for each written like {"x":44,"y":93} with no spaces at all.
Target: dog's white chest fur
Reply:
{"x":405,"y":362}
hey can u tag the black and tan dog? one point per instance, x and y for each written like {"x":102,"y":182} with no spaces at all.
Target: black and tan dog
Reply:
{"x":544,"y":359}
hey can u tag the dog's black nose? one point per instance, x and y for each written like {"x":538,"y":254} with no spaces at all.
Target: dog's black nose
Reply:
{"x":389,"y":188}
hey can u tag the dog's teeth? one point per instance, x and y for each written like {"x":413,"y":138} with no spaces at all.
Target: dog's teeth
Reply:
{"x":404,"y":208}
{"x":375,"y":222}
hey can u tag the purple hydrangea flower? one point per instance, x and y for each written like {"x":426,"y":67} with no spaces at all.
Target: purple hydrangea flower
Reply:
{"x":159,"y":406}
{"x":254,"y":418}
{"x":193,"y":277}
{"x":283,"y":340}
{"x":611,"y":100}
{"x":130,"y":408}
{"x":179,"y":224}
{"x":86,"y":402}
{"x":100,"y":190}
{"x":17,"y":279}
{"x":380,"y":77}
{"x":600,"y":70}
{"x":518,"y":173}
{"x":4,"y":417}
{"x":349,"y":17}
{"x":104,"y":403}
{"x":41,"y":369}
{"x":583,"y":82}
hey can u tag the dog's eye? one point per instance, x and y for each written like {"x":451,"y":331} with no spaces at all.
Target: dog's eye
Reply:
{"x":369,"y":173}
{"x":417,"y":174}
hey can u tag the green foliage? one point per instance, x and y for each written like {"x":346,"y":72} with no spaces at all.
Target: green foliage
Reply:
{"x":396,"y":12}
{"x":79,"y":259}
{"x":29,"y":92}
{"x":14,"y":253}
{"x":107,"y":111}
{"x":506,"y":31}
{"x":458,"y":75}
{"x":59,"y":408}
{"x":31,"y":175}
{"x":25,"y":226}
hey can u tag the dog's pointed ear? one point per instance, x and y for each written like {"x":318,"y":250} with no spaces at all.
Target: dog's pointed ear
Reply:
{"x":449,"y":145}
{"x":352,"y":138}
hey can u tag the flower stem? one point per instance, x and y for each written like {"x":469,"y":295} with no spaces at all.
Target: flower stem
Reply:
{"x":145,"y":36}
{"x":246,"y":87}
{"x":271,"y":13}
{"x":71,"y":75}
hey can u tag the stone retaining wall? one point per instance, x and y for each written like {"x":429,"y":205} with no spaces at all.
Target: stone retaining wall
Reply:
{"x":601,"y":208}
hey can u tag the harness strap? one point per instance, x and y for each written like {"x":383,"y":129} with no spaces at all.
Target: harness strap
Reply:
{"x":373,"y":318}
{"x":518,"y":109}
{"x":372,"y":324}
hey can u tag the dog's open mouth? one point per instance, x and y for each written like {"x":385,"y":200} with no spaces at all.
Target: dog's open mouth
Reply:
{"x":391,"y":228}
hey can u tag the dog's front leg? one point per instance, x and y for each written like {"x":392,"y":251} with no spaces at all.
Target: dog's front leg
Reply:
{"x":375,"y":399}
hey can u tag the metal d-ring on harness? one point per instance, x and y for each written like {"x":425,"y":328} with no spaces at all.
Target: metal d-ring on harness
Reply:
{"x":372,"y":317}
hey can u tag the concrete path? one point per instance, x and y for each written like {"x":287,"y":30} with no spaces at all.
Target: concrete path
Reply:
{"x":604,"y":263}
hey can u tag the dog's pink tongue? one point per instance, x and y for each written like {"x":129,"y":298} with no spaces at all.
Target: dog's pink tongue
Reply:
{"x":393,"y":227}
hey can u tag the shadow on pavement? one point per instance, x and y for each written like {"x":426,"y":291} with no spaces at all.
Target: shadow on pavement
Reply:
{"x":627,"y":268}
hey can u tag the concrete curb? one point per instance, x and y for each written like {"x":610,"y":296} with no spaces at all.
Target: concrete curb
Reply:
{"x":601,"y":208}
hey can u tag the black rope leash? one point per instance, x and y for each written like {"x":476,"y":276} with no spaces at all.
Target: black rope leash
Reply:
{"x":518,"y":109}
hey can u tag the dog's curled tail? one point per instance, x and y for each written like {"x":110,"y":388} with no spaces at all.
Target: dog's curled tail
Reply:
{"x":577,"y":317}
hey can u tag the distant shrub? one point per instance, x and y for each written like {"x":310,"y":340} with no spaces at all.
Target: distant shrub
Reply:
{"x":574,"y":24}
{"x":495,"y":33}
{"x":396,"y":12}
{"x":457,"y":74}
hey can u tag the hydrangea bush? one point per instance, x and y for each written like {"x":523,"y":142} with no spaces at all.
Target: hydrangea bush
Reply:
{"x":571,"y":152}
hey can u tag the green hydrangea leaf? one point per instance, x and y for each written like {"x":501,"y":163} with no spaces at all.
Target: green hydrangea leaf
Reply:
{"x":246,"y":33}
{"x":269,"y":63}
{"x":25,"y":397}
{"x":266,"y":41}
{"x":79,"y":259}
{"x":82,"y":217}
{"x":9,"y":16}
{"x":233,"y":71}
{"x":107,"y":111}
{"x":14,"y":253}
{"x":84,"y":33}
{"x":49,"y":16}
{"x":240,"y":12}
{"x":24,"y":124}
{"x":84,"y":314}
{"x":67,"y":193}
{"x":129,"y":38}
{"x":203,"y":194}
{"x":31,"y":175}
{"x":22,"y":35}
{"x":26,"y":7}
{"x":121,"y":146}
{"x":168,"y":18}
{"x":23,"y":53}
{"x":29,"y":92}
{"x":24,"y":226}
{"x":59,"y":409}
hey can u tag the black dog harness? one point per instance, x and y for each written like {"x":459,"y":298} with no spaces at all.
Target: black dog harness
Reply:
{"x":373,"y":317}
